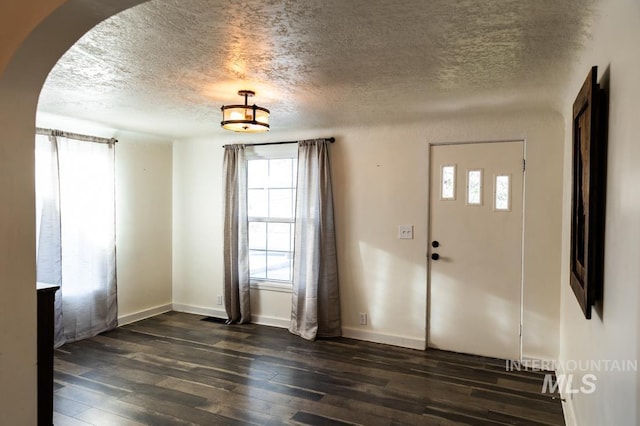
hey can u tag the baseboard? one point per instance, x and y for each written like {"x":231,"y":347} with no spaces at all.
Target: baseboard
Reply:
{"x":147,"y":313}
{"x":387,"y":339}
{"x":567,"y":410}
{"x":271,"y":321}
{"x":200,"y":310}
{"x":567,"y":406}
{"x":352,"y":333}
{"x":221,"y":313}
{"x":543,"y":363}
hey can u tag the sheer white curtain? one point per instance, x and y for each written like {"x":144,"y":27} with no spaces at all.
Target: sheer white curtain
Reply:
{"x":236,"y":236}
{"x":48,"y":241}
{"x":315,"y":310}
{"x":75,"y":192}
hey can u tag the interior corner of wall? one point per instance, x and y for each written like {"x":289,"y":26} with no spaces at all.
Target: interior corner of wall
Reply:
{"x":567,"y":401}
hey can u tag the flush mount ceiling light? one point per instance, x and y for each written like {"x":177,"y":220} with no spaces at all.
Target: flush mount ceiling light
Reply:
{"x":245,"y":118}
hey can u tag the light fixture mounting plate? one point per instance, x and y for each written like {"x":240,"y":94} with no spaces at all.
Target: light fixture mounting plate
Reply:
{"x":247,"y":93}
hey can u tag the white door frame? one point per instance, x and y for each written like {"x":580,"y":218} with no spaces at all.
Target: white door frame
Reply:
{"x":524,"y":185}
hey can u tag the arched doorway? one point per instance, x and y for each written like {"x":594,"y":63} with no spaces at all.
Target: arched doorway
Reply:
{"x":20,"y":85}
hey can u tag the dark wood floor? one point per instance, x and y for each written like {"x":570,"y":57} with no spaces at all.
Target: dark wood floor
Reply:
{"x":176,"y":369}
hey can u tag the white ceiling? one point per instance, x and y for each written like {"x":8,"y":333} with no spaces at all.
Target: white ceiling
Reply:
{"x":165,"y":67}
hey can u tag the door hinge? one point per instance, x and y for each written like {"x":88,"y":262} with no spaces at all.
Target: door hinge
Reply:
{"x":524,"y":164}
{"x":520,"y":330}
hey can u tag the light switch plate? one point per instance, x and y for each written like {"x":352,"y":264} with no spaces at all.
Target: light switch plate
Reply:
{"x":405,"y":232}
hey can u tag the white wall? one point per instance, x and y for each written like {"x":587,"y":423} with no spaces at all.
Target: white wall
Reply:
{"x":23,"y":72}
{"x":143,"y":228}
{"x":616,"y":334}
{"x":197,"y":225}
{"x":17,"y":258}
{"x":380,"y":178}
{"x":197,"y":237}
{"x":197,"y":278}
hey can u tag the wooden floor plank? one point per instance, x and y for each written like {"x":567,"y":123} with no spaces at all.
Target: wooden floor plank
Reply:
{"x":177,"y":369}
{"x":63,"y":420}
{"x":69,"y":407}
{"x":96,"y":416}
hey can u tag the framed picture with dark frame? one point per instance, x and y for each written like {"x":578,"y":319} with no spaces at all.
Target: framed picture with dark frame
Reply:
{"x":588,"y":195}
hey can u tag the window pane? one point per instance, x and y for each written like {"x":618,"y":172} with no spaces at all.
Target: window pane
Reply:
{"x":294,"y":177}
{"x":280,"y":173}
{"x":448,"y":187}
{"x":279,"y":236}
{"x":258,"y":235}
{"x":257,"y":203}
{"x":474,"y":187}
{"x":257,"y":264}
{"x":279,"y":265}
{"x":281,"y":203}
{"x":257,"y":173}
{"x":502,"y":201}
{"x":271,"y":196}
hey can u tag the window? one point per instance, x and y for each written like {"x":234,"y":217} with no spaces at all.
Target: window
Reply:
{"x":75,"y":226}
{"x":448,"y":182}
{"x":502,"y":193}
{"x":474,"y":187}
{"x":271,"y":203}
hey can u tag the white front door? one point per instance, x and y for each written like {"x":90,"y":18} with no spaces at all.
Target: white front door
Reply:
{"x":475,"y":251}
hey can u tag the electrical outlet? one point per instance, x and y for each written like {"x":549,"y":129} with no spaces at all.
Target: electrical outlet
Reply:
{"x":405,"y":232}
{"x":219,"y":300}
{"x":363,"y":318}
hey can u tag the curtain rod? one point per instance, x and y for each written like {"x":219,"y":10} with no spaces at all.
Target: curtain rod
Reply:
{"x":77,"y":136}
{"x":330,"y":140}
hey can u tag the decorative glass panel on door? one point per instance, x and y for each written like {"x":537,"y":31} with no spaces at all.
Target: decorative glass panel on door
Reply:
{"x":502,"y":193}
{"x":448,"y":182}
{"x":474,"y":187}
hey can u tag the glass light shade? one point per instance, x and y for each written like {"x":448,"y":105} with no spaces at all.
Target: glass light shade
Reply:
{"x":245,"y":118}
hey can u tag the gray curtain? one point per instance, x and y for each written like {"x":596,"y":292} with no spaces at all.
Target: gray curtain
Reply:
{"x":75,"y":193}
{"x":315,"y":310}
{"x":236,"y":237}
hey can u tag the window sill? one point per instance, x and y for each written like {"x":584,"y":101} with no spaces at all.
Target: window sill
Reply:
{"x":271,"y":286}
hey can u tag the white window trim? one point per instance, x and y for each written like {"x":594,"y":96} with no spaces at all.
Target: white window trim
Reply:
{"x":271,"y":152}
{"x":271,"y":285}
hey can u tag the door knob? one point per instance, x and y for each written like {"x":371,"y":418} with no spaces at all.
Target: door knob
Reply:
{"x":435,"y":244}
{"x":435,"y":256}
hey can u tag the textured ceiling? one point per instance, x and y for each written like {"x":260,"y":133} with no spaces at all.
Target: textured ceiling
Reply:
{"x":165,"y":67}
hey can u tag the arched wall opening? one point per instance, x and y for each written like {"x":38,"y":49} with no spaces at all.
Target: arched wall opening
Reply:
{"x":20,"y":84}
